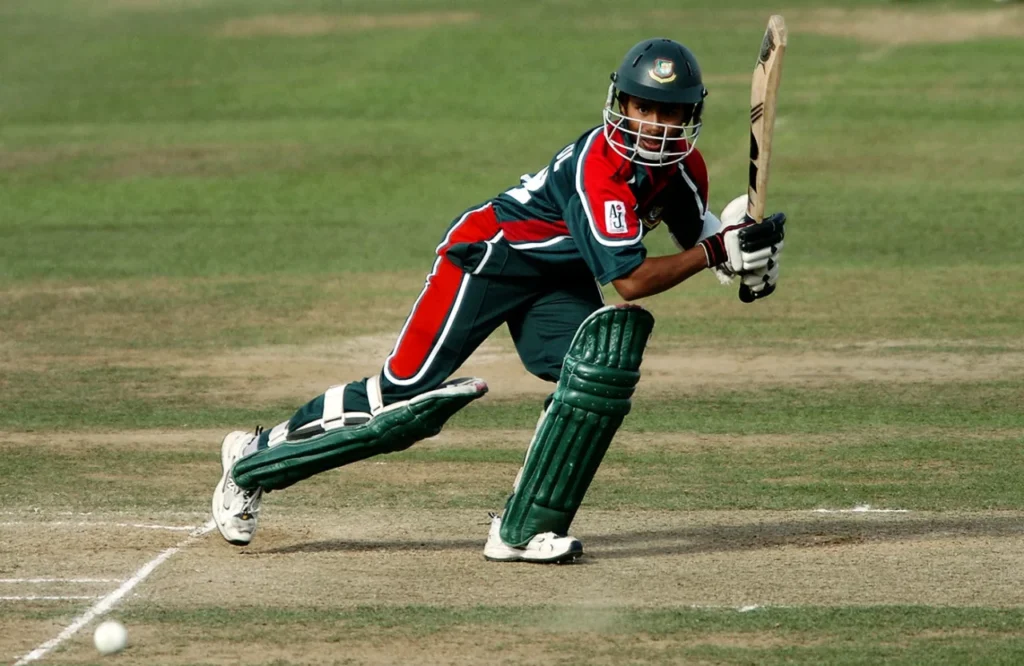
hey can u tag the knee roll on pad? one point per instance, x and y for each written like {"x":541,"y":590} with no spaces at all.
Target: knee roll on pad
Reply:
{"x":593,"y":395}
{"x":394,"y":428}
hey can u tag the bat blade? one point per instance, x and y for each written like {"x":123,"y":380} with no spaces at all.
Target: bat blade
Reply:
{"x":764,"y":90}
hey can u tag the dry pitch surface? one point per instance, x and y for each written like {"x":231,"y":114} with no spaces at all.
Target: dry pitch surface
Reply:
{"x":738,"y":560}
{"x":63,"y":567}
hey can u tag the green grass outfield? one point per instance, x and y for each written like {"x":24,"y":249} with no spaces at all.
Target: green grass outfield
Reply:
{"x":183,"y":181}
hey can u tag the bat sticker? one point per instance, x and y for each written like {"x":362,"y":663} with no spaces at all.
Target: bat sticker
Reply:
{"x":767,"y":46}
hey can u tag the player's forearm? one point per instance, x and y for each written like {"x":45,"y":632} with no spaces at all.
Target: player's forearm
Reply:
{"x":656,"y":274}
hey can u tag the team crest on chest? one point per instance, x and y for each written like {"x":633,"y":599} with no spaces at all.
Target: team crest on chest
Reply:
{"x":653,"y":217}
{"x":664,"y":71}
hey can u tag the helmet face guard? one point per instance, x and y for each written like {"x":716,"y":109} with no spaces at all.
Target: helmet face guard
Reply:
{"x":660,"y":71}
{"x":675,"y":142}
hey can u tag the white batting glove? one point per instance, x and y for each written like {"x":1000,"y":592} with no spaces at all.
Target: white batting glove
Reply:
{"x":764,"y":278}
{"x":747,"y":246}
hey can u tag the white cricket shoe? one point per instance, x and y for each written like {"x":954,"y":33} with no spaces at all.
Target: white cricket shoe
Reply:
{"x":546,"y":548}
{"x":234,"y":509}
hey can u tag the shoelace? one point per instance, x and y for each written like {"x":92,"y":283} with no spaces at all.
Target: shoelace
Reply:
{"x":250,"y":498}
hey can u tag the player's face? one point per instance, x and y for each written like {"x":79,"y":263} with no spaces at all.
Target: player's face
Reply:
{"x":655,"y":121}
{"x":647,"y":132}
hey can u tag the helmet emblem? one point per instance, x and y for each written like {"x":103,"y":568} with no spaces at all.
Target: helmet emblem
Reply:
{"x":664,"y":71}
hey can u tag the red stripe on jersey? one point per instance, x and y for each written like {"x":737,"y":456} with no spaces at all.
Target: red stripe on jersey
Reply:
{"x":608,"y":199}
{"x":437,"y":302}
{"x":526,"y":231}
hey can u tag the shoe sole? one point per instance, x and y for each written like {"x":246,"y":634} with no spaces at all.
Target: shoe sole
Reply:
{"x":564,"y":558}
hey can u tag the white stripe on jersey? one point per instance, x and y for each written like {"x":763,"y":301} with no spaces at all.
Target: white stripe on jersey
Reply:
{"x":586,"y":204}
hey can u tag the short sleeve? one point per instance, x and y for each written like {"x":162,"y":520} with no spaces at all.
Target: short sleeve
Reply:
{"x":601,"y":214}
{"x":606,"y":261}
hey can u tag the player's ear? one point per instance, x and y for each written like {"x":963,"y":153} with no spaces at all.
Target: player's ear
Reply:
{"x":623,"y":100}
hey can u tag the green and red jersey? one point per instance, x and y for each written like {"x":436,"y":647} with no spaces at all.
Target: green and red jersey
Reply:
{"x":588,"y":209}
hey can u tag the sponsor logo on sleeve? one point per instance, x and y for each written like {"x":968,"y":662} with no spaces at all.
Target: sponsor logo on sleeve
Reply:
{"x":615,"y":218}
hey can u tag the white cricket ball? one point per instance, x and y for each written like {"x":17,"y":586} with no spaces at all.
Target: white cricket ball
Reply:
{"x":110,"y":637}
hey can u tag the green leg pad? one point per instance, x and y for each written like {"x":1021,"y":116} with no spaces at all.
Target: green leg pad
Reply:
{"x":396,"y":428}
{"x":598,"y":378}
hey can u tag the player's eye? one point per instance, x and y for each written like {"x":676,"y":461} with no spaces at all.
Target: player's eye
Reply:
{"x":678,"y":113}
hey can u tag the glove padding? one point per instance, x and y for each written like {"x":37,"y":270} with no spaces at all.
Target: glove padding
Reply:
{"x":746,"y":247}
{"x":761,"y":282}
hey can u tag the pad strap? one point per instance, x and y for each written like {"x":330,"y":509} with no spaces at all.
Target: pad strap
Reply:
{"x":277,"y":434}
{"x":374,"y":396}
{"x":334,"y":407}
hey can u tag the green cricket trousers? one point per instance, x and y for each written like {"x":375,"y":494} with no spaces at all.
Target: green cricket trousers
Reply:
{"x":477,"y":283}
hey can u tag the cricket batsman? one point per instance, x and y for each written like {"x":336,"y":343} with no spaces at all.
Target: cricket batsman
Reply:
{"x":533,"y":258}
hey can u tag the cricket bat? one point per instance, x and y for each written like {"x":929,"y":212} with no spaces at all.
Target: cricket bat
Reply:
{"x":764,"y":91}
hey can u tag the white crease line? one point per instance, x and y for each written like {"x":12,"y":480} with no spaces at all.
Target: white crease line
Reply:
{"x":109,"y":601}
{"x":862,"y":508}
{"x":60,"y":580}
{"x":133,"y":514}
{"x":38,"y":597}
{"x":117,"y":517}
{"x":739,"y":609}
{"x":91,"y":523}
